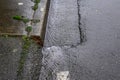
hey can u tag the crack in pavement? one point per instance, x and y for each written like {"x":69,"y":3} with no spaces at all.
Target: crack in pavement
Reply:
{"x":81,"y":29}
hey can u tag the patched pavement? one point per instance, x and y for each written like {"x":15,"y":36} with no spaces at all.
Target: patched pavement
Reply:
{"x":82,"y":42}
{"x":97,"y":57}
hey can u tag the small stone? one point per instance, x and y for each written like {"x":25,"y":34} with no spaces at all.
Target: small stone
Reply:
{"x":20,"y":3}
{"x":42,"y":9}
{"x":14,"y":50}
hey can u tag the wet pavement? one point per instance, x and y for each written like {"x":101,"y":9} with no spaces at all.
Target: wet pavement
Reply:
{"x":82,"y":42}
{"x":62,"y":24}
{"x":96,"y":58}
{"x":10,"y":54}
{"x":11,"y":47}
{"x":10,"y":8}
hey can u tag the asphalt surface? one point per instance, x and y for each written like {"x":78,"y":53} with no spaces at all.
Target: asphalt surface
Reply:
{"x":10,"y":54}
{"x":97,"y":57}
{"x":10,"y":49}
{"x":82,"y":42}
{"x":63,"y":24}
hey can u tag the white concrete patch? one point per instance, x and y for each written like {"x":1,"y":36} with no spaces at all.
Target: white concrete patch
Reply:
{"x":15,"y":50}
{"x":42,"y":9}
{"x":63,"y":75}
{"x":20,"y":3}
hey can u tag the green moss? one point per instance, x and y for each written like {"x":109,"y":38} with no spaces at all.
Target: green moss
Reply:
{"x":28,"y":29}
{"x":36,"y":1}
{"x":26,"y":39}
{"x":17,"y":17}
{"x":21,"y":62}
{"x":35,"y":7}
{"x":26,"y":20}
{"x":25,"y":49}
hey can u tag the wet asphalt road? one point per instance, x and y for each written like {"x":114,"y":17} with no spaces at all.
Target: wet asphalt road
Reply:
{"x":97,"y":58}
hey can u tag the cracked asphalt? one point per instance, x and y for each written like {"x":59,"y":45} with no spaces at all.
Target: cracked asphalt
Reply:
{"x":82,"y":42}
{"x":97,"y":57}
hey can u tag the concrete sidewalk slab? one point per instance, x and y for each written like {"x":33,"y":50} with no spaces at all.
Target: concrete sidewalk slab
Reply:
{"x":8,"y":9}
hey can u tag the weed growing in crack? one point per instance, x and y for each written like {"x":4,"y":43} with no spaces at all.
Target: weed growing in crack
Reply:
{"x":25,"y":50}
{"x":27,"y":21}
{"x":26,"y":38}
